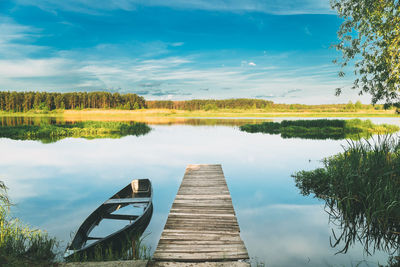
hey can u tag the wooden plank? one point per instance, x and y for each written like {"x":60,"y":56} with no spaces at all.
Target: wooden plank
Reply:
{"x":202,"y":224}
{"x":197,"y":242}
{"x":201,"y":220}
{"x":128,"y":200}
{"x":200,"y":257}
{"x":169,"y":248}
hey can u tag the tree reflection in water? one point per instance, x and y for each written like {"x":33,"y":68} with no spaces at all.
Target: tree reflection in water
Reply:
{"x":48,"y":130}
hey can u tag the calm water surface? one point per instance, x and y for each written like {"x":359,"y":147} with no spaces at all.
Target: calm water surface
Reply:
{"x":57,"y":185}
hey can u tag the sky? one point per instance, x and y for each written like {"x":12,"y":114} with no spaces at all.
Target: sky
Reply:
{"x":277,"y":50}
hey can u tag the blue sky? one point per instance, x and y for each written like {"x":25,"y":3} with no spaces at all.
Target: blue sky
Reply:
{"x":177,"y":49}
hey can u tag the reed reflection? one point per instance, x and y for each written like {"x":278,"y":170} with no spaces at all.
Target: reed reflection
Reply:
{"x":321,"y":129}
{"x":361,"y":190}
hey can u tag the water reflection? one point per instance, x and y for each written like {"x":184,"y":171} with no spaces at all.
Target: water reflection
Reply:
{"x":57,"y":185}
{"x":335,"y":129}
{"x":9,"y":121}
{"x":360,"y":189}
{"x":109,"y":232}
{"x":49,"y":130}
{"x":53,"y":129}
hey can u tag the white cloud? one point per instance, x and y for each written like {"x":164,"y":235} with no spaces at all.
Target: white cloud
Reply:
{"x":177,"y":77}
{"x":25,"y":68}
{"x":15,"y":39}
{"x":307,"y":31}
{"x":10,"y":31}
{"x":81,"y":6}
{"x":180,"y":75}
{"x":280,"y":7}
{"x":177,"y":44}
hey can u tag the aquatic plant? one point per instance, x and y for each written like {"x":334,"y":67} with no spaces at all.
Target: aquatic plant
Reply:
{"x":47,"y":132}
{"x":21,"y":245}
{"x":321,"y":128}
{"x":131,"y":249}
{"x":361,"y":190}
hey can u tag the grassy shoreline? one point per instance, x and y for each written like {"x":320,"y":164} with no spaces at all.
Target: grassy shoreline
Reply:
{"x":21,"y":245}
{"x":360,"y":187}
{"x":321,"y":128}
{"x":90,"y":114}
{"x":48,"y":133}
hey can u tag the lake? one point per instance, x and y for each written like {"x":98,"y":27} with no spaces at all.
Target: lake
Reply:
{"x":56,"y":186}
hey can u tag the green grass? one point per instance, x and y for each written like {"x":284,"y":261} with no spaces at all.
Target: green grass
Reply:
{"x":19,"y":244}
{"x":259,"y":113}
{"x":33,"y":113}
{"x":131,"y":250}
{"x":48,"y":133}
{"x":321,"y":128}
{"x":279,"y":111}
{"x":361,"y":190}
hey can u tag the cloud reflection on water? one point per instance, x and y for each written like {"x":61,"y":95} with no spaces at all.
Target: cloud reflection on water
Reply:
{"x":57,"y":185}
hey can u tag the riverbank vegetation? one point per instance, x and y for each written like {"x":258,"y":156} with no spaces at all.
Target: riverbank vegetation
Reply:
{"x":56,"y":103}
{"x":258,"y":104}
{"x":21,"y":245}
{"x":47,"y":132}
{"x":361,"y":190}
{"x":321,"y":129}
{"x":135,"y":249}
{"x":145,"y":115}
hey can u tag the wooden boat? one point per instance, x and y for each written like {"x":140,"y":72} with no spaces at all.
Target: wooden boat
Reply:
{"x":138,"y":194}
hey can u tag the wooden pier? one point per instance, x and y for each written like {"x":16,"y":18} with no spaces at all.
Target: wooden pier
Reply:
{"x":202,"y":225}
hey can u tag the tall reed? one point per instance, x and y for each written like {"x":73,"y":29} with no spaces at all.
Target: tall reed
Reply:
{"x":361,"y":190}
{"x":21,"y":245}
{"x":131,"y":249}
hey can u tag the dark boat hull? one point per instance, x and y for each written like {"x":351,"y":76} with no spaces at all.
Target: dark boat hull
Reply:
{"x":119,"y":240}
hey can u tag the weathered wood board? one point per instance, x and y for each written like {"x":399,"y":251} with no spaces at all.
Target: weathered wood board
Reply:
{"x":202,"y":224}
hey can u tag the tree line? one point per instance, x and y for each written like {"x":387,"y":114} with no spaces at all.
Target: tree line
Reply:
{"x":209,"y":104}
{"x":25,"y":101}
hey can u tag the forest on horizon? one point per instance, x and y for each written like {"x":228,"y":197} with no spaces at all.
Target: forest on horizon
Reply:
{"x":48,"y":101}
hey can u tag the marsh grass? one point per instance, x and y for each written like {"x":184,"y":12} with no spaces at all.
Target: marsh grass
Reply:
{"x":107,"y":114}
{"x":21,"y":245}
{"x":321,"y":129}
{"x":131,"y":249}
{"x":48,"y":132}
{"x":361,"y":190}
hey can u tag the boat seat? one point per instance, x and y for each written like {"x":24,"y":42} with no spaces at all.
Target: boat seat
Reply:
{"x":128,"y":200}
{"x":120,"y":217}
{"x":94,"y":238}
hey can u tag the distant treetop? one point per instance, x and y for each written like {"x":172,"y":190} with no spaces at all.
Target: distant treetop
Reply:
{"x":24,"y":101}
